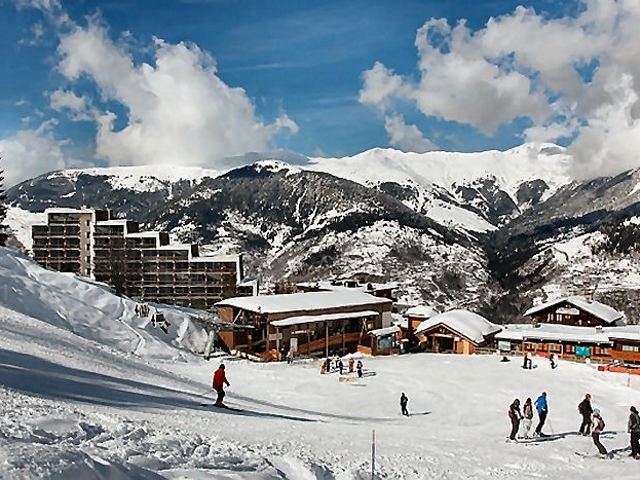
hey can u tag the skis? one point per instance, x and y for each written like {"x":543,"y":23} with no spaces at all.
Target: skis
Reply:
{"x":226,"y":407}
{"x":594,"y":455}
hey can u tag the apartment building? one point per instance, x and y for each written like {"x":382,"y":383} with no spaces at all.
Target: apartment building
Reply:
{"x":138,"y":264}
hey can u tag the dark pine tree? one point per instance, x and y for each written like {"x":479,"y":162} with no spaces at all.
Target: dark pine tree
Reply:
{"x":3,"y":212}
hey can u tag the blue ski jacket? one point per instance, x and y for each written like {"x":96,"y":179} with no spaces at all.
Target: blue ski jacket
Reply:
{"x":541,"y":404}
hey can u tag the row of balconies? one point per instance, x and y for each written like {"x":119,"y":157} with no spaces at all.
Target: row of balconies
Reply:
{"x":56,"y":242}
{"x":55,"y":231}
{"x":52,"y":254}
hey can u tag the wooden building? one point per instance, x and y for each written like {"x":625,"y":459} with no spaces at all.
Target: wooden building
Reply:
{"x":456,"y":331}
{"x":314,"y":322}
{"x":626,"y":345}
{"x":565,"y":341}
{"x":576,"y":311}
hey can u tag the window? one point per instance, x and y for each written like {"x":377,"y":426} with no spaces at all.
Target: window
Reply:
{"x":630,"y":348}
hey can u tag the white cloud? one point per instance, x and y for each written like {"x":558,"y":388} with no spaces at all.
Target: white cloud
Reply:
{"x":30,"y":153}
{"x":79,"y":107}
{"x":562,"y":74}
{"x":179,"y":111}
{"x":406,"y":137}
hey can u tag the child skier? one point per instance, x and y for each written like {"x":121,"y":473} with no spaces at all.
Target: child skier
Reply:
{"x":597,"y":426}
{"x":527,"y":418}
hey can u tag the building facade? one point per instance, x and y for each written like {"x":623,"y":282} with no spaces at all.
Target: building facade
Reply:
{"x":143,"y":265}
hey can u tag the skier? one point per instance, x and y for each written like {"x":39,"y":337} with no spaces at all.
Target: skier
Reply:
{"x":597,"y":426}
{"x":359,"y":368}
{"x":552,"y":359}
{"x":633,"y":427}
{"x":403,"y":404}
{"x":584,"y":407}
{"x":527,"y":418}
{"x":219,"y":379}
{"x":351,"y":362}
{"x":340,"y":365}
{"x":515,"y":416}
{"x":543,"y":409}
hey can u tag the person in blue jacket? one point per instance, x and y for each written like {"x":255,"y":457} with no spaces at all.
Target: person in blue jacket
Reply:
{"x":543,"y":409}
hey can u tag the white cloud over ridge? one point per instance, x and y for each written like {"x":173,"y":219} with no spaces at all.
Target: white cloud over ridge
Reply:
{"x":172,"y":110}
{"x":576,"y":78}
{"x":30,"y":153}
{"x":406,"y":137}
{"x":179,"y":110}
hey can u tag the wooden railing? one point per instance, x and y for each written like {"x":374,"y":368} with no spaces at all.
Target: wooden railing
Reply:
{"x":333,"y":341}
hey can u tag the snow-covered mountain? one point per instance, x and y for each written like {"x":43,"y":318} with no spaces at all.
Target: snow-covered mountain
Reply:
{"x":83,"y":399}
{"x":455,"y":230}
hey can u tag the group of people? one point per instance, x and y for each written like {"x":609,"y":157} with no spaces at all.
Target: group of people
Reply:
{"x":592,"y":422}
{"x":337,"y":362}
{"x":522,"y":420}
{"x":527,"y":363}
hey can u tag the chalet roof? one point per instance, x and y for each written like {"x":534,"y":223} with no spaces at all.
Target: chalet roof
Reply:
{"x":597,"y":309}
{"x":466,"y":323}
{"x":420,"y":311}
{"x":341,"y":284}
{"x":326,"y":317}
{"x":292,"y":302}
{"x":381,"y":332}
{"x":546,"y":331}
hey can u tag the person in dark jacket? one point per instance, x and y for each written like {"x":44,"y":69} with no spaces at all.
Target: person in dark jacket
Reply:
{"x":584,"y":407}
{"x":403,"y":404}
{"x":634,"y":430}
{"x":219,"y":380}
{"x":359,"y":368}
{"x":543,"y":409}
{"x":515,"y":416}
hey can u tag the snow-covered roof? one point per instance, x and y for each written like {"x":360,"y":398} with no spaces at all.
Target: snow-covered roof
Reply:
{"x":324,"y":285}
{"x":597,"y":309}
{"x":327,"y":317}
{"x":466,"y":323}
{"x":381,"y":332}
{"x":420,"y":311}
{"x":147,"y":234}
{"x":545,"y":331}
{"x":291,"y":302}
{"x":217,"y":258}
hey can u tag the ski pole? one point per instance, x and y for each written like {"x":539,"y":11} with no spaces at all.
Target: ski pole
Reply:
{"x":551,"y":426}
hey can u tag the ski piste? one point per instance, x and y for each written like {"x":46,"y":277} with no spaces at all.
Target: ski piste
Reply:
{"x":608,"y":456}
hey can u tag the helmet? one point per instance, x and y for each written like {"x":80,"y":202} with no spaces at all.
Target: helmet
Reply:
{"x":588,"y":395}
{"x":596,"y":411}
{"x":222,"y":366}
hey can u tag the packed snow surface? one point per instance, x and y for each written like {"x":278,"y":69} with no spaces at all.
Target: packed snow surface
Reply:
{"x":102,"y":394}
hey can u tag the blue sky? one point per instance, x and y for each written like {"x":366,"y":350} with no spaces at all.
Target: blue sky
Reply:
{"x":192,"y":81}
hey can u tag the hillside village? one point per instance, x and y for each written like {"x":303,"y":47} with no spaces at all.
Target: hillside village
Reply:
{"x":323,"y":318}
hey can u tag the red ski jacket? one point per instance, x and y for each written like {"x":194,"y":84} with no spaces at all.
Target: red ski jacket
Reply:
{"x":219,"y":378}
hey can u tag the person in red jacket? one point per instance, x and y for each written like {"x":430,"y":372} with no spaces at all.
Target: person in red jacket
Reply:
{"x":219,"y":379}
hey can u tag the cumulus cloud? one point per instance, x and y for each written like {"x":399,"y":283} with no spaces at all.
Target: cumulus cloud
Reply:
{"x":172,"y":109}
{"x":30,"y":153}
{"x":406,"y":137}
{"x":178,"y":110}
{"x":575,"y":78}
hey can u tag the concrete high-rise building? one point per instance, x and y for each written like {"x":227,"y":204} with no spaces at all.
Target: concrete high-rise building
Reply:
{"x":139,"y":264}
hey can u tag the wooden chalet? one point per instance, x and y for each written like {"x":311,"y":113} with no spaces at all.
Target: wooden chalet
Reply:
{"x":576,"y":311}
{"x":414,"y":317}
{"x":565,"y":341}
{"x":456,"y":331}
{"x":334,"y":321}
{"x":626,"y":344}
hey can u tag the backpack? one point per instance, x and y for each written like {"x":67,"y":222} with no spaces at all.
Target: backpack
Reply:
{"x":601,"y":424}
